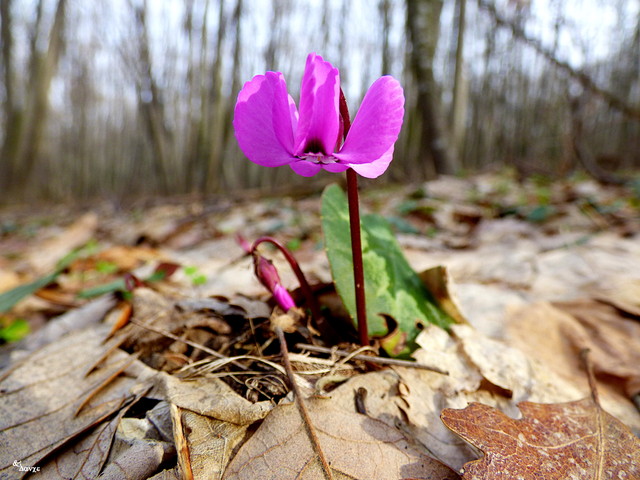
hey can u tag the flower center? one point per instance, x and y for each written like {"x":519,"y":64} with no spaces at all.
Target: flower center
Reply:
{"x":314,"y":151}
{"x":314,"y":146}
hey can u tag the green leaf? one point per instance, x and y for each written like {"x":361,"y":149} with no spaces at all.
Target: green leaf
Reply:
{"x":117,"y":285}
{"x":190,"y":270}
{"x":392,"y":287}
{"x":17,"y":330}
{"x":10,"y":298}
{"x":106,"y":267}
{"x":162,"y":271}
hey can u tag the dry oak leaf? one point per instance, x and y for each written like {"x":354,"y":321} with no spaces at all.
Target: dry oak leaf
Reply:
{"x":575,"y":440}
{"x":355,"y":446}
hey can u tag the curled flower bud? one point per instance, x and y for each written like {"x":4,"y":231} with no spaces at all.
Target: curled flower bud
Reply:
{"x":268,"y":276}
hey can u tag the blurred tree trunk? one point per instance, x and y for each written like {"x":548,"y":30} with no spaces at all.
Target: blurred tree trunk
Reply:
{"x":225,"y":110}
{"x":150,"y":101}
{"x":423,"y":24}
{"x":26,"y":122}
{"x":460,"y":91}
{"x":218,"y":110}
{"x":385,"y":12}
{"x":12,"y":113}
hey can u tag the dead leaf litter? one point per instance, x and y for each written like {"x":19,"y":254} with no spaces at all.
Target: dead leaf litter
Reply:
{"x":190,"y":381}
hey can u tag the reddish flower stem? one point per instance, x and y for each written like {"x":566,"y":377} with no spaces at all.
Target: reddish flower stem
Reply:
{"x":306,"y":288}
{"x":356,"y":249}
{"x":356,"y":241}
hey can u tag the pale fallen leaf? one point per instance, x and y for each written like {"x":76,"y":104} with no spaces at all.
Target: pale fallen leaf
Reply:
{"x":484,"y":306}
{"x":171,"y":474}
{"x":140,"y":459}
{"x":356,"y":447}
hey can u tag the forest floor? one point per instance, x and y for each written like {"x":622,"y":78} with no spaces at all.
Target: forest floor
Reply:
{"x":139,"y":340}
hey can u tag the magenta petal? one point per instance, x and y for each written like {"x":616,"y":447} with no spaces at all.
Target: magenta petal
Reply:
{"x":305,"y":168}
{"x":335,"y":167}
{"x":283,"y":297}
{"x":263,"y":120}
{"x":319,"y":116}
{"x":375,"y":168}
{"x":377,"y":124}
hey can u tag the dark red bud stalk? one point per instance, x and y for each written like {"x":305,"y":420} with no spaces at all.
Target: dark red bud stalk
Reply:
{"x":304,"y":285}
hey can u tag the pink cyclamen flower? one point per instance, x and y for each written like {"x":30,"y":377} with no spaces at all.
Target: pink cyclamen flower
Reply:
{"x":272,"y":132}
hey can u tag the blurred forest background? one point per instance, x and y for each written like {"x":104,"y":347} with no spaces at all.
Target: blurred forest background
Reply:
{"x":118,"y":98}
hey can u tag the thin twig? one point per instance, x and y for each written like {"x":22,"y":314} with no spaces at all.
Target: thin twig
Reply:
{"x":373,"y":359}
{"x":302,"y":408}
{"x":588,"y":366}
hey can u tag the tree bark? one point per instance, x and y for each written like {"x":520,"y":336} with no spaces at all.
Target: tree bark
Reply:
{"x":26,"y":125}
{"x":423,"y":20}
{"x":12,"y":115}
{"x":460,"y":92}
{"x":150,"y":102}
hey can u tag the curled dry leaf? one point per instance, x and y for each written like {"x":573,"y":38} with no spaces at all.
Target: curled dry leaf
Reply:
{"x":356,"y":447}
{"x":552,"y":441}
{"x":503,"y":366}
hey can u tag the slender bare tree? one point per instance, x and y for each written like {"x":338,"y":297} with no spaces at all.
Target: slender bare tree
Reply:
{"x":423,"y":24}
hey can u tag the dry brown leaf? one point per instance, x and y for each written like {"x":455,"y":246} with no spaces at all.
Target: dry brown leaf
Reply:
{"x":554,"y":339}
{"x":612,"y":339}
{"x":140,"y":445}
{"x":412,"y":399}
{"x":205,"y":445}
{"x":438,"y":282}
{"x":210,"y":397}
{"x":141,"y":459}
{"x":80,"y":318}
{"x":172,"y":474}
{"x":575,"y":440}
{"x":356,"y":447}
{"x":41,"y":394}
{"x":84,"y":459}
{"x":44,"y":257}
{"x":504,"y":366}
